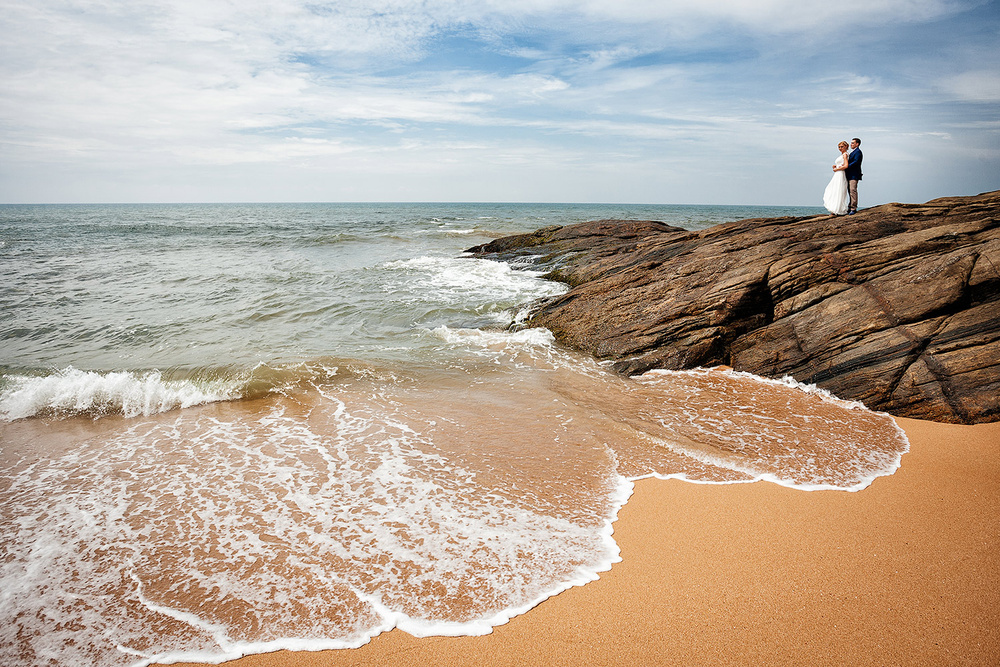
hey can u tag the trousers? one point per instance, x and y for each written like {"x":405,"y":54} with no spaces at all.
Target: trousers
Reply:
{"x":852,"y":191}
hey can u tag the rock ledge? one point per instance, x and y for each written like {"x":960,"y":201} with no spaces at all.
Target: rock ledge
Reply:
{"x":897,"y":307}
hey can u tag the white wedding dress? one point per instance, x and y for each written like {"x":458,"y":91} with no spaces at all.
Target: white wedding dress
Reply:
{"x":835,"y":196}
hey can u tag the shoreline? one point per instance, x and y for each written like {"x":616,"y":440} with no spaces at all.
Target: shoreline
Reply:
{"x":904,"y":572}
{"x":830,"y":306}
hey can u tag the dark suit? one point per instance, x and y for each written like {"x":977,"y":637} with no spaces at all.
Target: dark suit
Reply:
{"x":853,"y":173}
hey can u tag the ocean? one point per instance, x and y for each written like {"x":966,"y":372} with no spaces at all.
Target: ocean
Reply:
{"x":236,"y":428}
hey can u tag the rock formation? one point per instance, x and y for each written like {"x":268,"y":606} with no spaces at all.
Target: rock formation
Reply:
{"x":897,"y":306}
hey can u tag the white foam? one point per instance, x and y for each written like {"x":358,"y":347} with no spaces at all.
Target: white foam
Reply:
{"x":784,"y":381}
{"x":392,"y":618}
{"x":581,"y":576}
{"x":365,"y":491}
{"x":533,"y":349}
{"x":535,"y":337}
{"x":476,"y":280}
{"x":72,"y":391}
{"x":857,"y":473}
{"x":355,"y":483}
{"x":216,"y":630}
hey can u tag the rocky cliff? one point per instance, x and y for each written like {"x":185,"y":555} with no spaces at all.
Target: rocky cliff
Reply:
{"x":897,"y":306}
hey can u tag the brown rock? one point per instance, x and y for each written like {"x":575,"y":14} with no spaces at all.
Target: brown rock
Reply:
{"x":897,"y":306}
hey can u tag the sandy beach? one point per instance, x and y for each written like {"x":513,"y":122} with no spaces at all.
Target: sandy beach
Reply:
{"x":906,"y":572}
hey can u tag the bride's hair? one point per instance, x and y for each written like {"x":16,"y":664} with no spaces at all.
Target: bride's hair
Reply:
{"x":842,"y":143}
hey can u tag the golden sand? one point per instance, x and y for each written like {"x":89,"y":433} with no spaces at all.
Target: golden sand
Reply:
{"x":906,"y":572}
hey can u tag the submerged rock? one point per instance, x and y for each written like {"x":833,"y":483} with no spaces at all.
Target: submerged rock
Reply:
{"x":897,"y":307}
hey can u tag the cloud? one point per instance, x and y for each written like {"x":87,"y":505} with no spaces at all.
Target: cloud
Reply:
{"x":974,"y":86}
{"x":143,"y":86}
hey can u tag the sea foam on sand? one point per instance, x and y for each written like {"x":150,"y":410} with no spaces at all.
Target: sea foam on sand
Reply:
{"x":903,"y":573}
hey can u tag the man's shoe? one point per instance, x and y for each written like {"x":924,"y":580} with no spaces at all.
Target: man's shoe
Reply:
{"x":851,"y":212}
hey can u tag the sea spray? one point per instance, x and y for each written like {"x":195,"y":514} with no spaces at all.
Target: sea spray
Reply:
{"x":72,"y":392}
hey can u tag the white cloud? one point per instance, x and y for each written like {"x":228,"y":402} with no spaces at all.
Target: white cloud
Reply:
{"x":974,"y":86}
{"x":772,"y":16}
{"x":142,"y":86}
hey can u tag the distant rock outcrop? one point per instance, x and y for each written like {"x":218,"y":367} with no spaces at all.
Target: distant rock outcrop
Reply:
{"x":897,"y":306}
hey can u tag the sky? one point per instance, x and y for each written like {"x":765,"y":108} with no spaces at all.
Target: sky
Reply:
{"x":617,"y":101}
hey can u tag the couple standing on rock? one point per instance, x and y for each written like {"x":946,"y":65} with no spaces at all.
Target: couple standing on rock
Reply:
{"x":841,"y":195}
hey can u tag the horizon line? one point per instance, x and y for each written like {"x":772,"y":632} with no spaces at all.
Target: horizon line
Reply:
{"x":395,"y":202}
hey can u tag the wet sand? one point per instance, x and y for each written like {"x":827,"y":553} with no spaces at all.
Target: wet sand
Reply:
{"x":906,"y":572}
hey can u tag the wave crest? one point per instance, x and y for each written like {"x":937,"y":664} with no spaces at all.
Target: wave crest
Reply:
{"x":71,"y":391}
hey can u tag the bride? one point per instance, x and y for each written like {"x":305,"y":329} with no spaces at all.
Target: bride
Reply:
{"x":835,"y":196}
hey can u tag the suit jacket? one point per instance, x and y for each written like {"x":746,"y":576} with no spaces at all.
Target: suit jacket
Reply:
{"x":853,"y":171}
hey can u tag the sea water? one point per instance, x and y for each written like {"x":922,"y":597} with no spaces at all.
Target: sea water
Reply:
{"x":237,"y":428}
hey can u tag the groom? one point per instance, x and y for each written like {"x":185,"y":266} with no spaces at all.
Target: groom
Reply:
{"x":853,"y":173}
